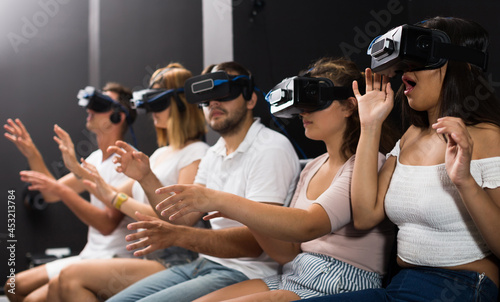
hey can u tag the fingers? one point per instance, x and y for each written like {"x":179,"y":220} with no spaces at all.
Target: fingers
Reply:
{"x":90,"y":167}
{"x":212,"y":216}
{"x":144,"y":217}
{"x":456,"y":131}
{"x":115,"y":149}
{"x":89,"y":185}
{"x":63,"y":135}
{"x":355,"y":89}
{"x":171,"y":189}
{"x":15,"y":129}
{"x":124,"y":145}
{"x":368,"y":79}
{"x":121,"y":148}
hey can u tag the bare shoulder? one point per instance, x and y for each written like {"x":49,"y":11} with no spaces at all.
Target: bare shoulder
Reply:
{"x":410,"y":134}
{"x":486,"y":139}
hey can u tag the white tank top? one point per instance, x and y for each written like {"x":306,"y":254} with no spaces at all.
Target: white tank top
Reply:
{"x":435,"y":228}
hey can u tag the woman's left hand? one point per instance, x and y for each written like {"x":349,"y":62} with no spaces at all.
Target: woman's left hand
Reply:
{"x":458,"y":150}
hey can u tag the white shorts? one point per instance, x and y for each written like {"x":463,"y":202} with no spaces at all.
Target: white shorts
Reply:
{"x":54,"y":267}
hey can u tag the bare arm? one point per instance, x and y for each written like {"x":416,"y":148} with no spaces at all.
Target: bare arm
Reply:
{"x":367,"y":188}
{"x":136,"y":165}
{"x":17,"y":133}
{"x":289,"y":224}
{"x":104,"y":220}
{"x":279,"y":250}
{"x":159,"y":234}
{"x":482,"y":204}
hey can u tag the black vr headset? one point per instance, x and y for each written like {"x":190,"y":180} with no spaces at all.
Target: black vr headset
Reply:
{"x":410,"y":47}
{"x":91,"y":98}
{"x":156,"y":100}
{"x":304,"y":94}
{"x":218,"y":86}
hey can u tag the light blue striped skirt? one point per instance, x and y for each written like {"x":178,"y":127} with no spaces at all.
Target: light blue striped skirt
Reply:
{"x":313,"y":275}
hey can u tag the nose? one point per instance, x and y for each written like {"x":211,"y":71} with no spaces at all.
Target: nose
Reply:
{"x":213,"y":103}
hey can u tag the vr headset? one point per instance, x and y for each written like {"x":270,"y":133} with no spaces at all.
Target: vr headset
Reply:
{"x":156,"y":100}
{"x":91,"y":98}
{"x":410,"y":47}
{"x":304,"y":94}
{"x":218,"y":86}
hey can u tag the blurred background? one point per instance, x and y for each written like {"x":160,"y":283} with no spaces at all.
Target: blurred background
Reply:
{"x":49,"y":49}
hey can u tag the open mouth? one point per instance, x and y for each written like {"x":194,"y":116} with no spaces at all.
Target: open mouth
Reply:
{"x":409,"y":84}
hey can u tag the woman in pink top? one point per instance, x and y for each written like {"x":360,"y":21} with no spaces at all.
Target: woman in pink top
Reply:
{"x":314,"y":238}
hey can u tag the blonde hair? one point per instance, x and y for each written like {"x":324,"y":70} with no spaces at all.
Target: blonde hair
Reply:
{"x":182,"y":126}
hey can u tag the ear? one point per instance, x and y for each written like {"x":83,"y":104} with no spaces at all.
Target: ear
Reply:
{"x":253,"y":101}
{"x":350,"y":106}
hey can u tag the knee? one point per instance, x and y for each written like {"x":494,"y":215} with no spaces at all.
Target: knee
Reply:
{"x":53,"y":290}
{"x":67,"y":281}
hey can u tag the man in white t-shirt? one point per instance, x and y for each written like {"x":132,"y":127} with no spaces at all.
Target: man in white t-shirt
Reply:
{"x":109,"y":116}
{"x":249,"y":160}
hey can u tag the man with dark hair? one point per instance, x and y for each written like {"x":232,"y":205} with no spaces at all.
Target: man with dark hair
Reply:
{"x":249,"y":160}
{"x":107,"y":227}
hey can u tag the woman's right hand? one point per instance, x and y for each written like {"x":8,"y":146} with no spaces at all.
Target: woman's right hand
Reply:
{"x":376,"y":104}
{"x":17,"y":133}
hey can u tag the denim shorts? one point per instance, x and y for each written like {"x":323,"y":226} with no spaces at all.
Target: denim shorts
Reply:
{"x":312,"y":275}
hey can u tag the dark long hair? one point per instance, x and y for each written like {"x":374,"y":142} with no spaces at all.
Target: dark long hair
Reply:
{"x":466,"y":93}
{"x":343,"y":72}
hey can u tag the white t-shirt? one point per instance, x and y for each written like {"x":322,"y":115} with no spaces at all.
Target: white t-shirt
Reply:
{"x":166,"y":165}
{"x":264,"y":168}
{"x":99,"y":245}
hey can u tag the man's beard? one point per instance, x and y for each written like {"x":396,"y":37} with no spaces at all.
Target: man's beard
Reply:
{"x":232,"y":123}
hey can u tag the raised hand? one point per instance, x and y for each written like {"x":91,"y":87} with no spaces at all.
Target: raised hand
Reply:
{"x":41,"y":182}
{"x":131,"y":162}
{"x":155,"y":234}
{"x":17,"y":133}
{"x":97,"y":186}
{"x":67,"y":149}
{"x":376,"y":104}
{"x":458,"y":150}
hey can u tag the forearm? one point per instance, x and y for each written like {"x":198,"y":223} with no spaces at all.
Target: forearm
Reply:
{"x":104,"y":220}
{"x":131,"y":206}
{"x":37,"y":163}
{"x":279,"y":250}
{"x":484,"y":211}
{"x":225,"y":243}
{"x":149,"y":184}
{"x":364,"y":183}
{"x":288,"y":224}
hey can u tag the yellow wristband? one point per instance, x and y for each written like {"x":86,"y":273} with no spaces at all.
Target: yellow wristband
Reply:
{"x":119,"y":200}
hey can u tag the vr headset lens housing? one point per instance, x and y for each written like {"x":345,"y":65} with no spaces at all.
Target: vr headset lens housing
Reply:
{"x":214,"y":86}
{"x":92,"y":99}
{"x":153,"y":100}
{"x":410,"y":47}
{"x":303,"y":94}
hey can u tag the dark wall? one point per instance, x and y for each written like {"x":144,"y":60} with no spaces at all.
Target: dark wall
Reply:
{"x":284,"y":37}
{"x":44,"y":61}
